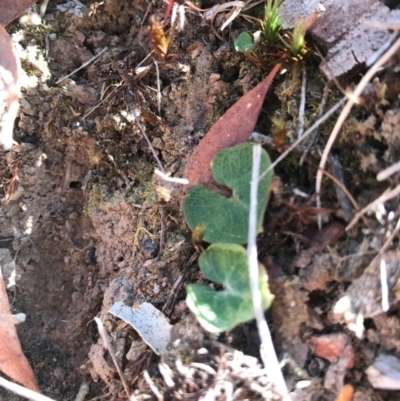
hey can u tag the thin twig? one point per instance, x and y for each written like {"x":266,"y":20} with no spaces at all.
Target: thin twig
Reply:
{"x":382,"y":49}
{"x":22,"y":391}
{"x":384,"y":286}
{"x":267,"y":350}
{"x":341,"y":191}
{"x":152,"y":386}
{"x":387,"y":195}
{"x":136,"y":115}
{"x":385,"y":174}
{"x":302,"y":107}
{"x":393,"y":26}
{"x":108,"y":346}
{"x":344,"y":114}
{"x":305,"y":135}
{"x":158,"y":88}
{"x":162,"y":230}
{"x":170,"y":302}
{"x":319,"y":114}
{"x":166,"y":177}
{"x":94,"y":58}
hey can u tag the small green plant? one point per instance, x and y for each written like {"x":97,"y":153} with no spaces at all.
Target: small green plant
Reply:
{"x":272,"y":43}
{"x":222,"y":219}
{"x":225,"y":218}
{"x":219,"y":311}
{"x":271,"y":26}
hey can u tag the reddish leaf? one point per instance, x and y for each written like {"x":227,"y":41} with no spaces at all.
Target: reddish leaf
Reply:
{"x":234,"y":127}
{"x":13,"y":362}
{"x":9,"y":87}
{"x":11,"y":9}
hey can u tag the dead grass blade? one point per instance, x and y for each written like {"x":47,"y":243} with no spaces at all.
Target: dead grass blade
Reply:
{"x":234,"y":127}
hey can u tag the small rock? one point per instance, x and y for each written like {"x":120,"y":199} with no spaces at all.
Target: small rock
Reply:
{"x":59,"y":374}
{"x":333,"y":347}
{"x":149,"y":248}
{"x":384,"y":374}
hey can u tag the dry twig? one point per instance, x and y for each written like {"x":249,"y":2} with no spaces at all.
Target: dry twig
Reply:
{"x":346,"y":111}
{"x":22,"y":391}
{"x":107,"y":345}
{"x":305,"y":135}
{"x":86,"y":63}
{"x":387,"y":195}
{"x":267,"y":350}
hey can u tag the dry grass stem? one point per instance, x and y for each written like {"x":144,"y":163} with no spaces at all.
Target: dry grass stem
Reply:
{"x":305,"y":135}
{"x":94,"y":58}
{"x":107,"y":345}
{"x":384,"y":286}
{"x":344,"y":114}
{"x":166,"y":177}
{"x":22,"y":391}
{"x":387,"y":195}
{"x":302,"y":107}
{"x":385,"y":174}
{"x":343,"y":188}
{"x":314,"y":137}
{"x":136,"y":115}
{"x":267,"y":350}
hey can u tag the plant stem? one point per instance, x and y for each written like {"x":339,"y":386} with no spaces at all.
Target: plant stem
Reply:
{"x":267,"y":350}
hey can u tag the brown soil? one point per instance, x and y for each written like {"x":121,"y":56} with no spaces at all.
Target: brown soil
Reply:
{"x":87,"y":226}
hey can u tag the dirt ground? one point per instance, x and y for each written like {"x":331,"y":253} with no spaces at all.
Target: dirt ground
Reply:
{"x":87,"y":225}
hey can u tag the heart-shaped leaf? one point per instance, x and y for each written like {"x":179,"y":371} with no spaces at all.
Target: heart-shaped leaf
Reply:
{"x":226,"y":219}
{"x":219,"y":311}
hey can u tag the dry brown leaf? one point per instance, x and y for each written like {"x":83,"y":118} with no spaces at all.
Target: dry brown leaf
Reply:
{"x":13,"y":362}
{"x":9,"y":87}
{"x":234,"y":127}
{"x":11,"y":9}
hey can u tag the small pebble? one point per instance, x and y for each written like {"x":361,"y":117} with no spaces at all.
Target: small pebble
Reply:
{"x":59,"y":374}
{"x":149,"y":248}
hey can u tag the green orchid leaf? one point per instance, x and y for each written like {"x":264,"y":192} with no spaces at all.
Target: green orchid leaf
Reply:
{"x":222,"y":218}
{"x":219,"y":311}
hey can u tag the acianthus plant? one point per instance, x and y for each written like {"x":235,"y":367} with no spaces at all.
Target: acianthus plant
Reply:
{"x":222,"y":218}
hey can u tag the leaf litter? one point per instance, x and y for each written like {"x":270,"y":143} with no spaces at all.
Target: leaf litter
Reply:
{"x":297,"y":301}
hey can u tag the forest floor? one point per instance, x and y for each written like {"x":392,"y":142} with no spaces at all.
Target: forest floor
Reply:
{"x":87,"y":226}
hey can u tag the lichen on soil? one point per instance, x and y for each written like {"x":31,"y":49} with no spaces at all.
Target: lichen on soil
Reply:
{"x":88,"y":226}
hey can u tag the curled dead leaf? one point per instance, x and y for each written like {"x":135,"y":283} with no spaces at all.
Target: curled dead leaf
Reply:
{"x":11,"y":9}
{"x":13,"y":362}
{"x":233,"y":128}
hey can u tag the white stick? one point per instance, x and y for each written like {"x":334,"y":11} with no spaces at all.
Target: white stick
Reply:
{"x":22,"y":391}
{"x":384,"y":286}
{"x":267,"y":350}
{"x":302,"y":108}
{"x":166,"y":177}
{"x":385,"y":174}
